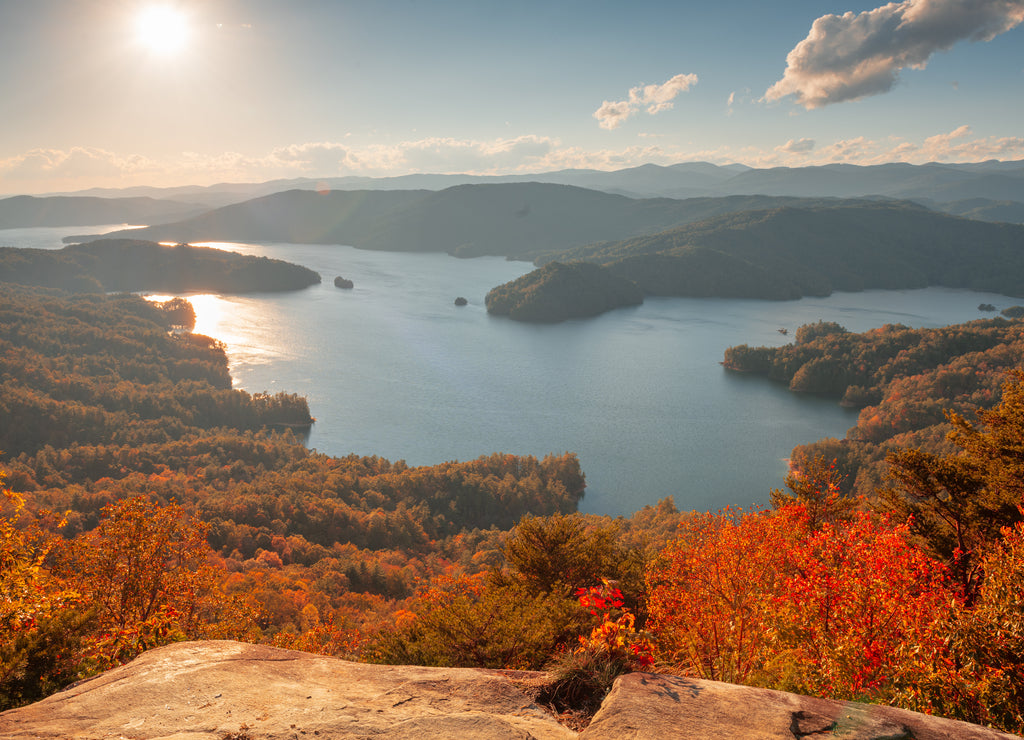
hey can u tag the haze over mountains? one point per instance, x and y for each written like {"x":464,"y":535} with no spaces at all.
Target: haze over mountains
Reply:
{"x":725,"y":231}
{"x":23,"y":211}
{"x":935,"y":182}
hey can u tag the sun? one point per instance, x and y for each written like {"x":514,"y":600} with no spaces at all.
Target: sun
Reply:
{"x":162,"y":29}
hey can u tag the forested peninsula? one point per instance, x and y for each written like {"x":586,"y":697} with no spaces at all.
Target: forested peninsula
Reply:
{"x":557,"y":292}
{"x":144,"y":501}
{"x":110,"y":265}
{"x":905,"y":382}
{"x":787,"y":253}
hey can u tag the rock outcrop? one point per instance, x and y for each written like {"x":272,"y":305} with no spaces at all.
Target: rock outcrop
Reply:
{"x":645,"y":706}
{"x":235,"y":691}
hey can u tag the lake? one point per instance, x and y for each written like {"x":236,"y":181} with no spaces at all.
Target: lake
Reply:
{"x":394,"y":368}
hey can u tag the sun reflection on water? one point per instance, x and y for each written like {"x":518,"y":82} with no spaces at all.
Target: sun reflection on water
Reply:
{"x":210,"y":315}
{"x":209,"y":312}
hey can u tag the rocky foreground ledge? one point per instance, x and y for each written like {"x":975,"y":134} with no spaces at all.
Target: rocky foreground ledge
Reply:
{"x":235,"y":691}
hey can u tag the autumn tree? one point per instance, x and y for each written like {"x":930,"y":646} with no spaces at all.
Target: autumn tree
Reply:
{"x":42,"y":621}
{"x":816,"y":483}
{"x":146,"y":569}
{"x":856,"y":613}
{"x":959,"y":503}
{"x":711,"y":591}
{"x":992,"y":641}
{"x":470,"y":621}
{"x":565,"y":552}
{"x":767,"y":599}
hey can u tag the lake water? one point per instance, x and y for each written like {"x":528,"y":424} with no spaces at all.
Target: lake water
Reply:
{"x":394,"y":368}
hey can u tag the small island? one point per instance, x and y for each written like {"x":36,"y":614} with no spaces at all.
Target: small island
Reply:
{"x":559,"y":291}
{"x":343,"y":283}
{"x":460,"y":301}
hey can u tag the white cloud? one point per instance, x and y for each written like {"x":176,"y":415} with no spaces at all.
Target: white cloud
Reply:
{"x":654,"y":98}
{"x":312,"y":157}
{"x":438,"y":154}
{"x":954,"y":146}
{"x":797,"y":146}
{"x":854,"y":55}
{"x":958,"y":146}
{"x":611,"y":115}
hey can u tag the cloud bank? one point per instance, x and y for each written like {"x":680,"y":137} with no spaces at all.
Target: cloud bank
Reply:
{"x":851,"y":56}
{"x":653,"y":98}
{"x":78,"y":168}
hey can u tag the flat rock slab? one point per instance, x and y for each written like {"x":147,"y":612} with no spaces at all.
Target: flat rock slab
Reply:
{"x":236,"y":691}
{"x":645,"y":706}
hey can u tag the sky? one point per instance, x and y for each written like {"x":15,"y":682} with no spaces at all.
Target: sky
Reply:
{"x":116,"y":93}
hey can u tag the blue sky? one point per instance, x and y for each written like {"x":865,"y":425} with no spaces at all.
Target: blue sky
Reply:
{"x":251,"y":90}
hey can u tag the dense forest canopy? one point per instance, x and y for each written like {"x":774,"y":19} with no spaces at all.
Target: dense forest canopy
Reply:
{"x":903,"y":380}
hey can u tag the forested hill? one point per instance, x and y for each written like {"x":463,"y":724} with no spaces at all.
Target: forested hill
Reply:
{"x":516,"y":220}
{"x":131,"y":265}
{"x":786,"y":253}
{"x":27,"y":211}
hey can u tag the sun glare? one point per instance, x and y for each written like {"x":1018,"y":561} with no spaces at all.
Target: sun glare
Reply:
{"x":162,"y":29}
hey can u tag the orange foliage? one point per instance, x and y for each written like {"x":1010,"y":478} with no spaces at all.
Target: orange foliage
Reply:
{"x":146,"y":570}
{"x":617,"y":638}
{"x":843,"y":610}
{"x":712,"y":587}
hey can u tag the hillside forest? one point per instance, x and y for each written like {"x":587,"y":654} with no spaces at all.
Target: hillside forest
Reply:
{"x":146,"y":501}
{"x":778,"y":253}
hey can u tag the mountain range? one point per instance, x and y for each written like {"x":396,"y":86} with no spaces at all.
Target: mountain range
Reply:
{"x":933,"y":183}
{"x":765,"y":233}
{"x":22,"y":211}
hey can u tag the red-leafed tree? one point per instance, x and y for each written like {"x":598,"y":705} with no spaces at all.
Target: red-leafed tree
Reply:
{"x":764,"y":598}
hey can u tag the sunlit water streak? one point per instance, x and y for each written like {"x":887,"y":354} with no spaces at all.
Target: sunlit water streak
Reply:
{"x":394,"y":368}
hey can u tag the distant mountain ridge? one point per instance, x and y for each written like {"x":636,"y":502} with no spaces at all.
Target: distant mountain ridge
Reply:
{"x":23,"y":211}
{"x":937,"y":182}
